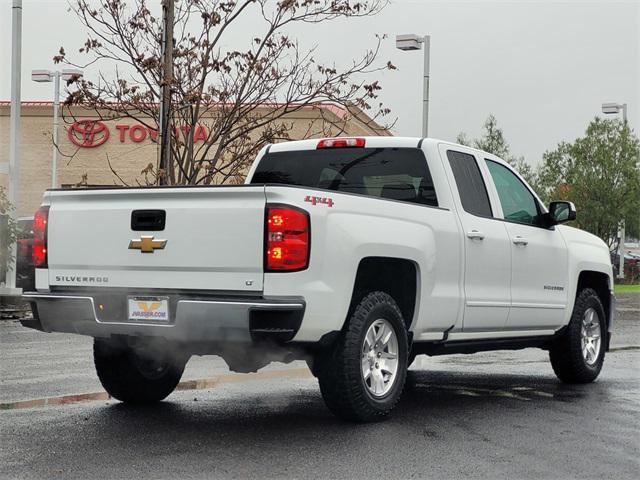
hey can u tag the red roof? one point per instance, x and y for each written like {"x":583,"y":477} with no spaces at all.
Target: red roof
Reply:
{"x":335,"y":109}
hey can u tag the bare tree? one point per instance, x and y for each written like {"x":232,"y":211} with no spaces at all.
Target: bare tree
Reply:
{"x":226,"y":104}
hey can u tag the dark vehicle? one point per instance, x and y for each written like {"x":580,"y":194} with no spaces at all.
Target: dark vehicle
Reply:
{"x":631,"y":265}
{"x":25,"y":271}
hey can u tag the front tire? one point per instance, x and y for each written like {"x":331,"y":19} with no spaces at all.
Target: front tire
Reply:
{"x":132,"y":376}
{"x":578,"y":354}
{"x":362,"y":377}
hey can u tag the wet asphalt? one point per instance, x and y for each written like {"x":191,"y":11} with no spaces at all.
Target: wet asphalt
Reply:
{"x":488,"y":415}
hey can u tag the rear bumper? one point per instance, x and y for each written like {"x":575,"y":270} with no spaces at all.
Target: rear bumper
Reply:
{"x":193,"y":319}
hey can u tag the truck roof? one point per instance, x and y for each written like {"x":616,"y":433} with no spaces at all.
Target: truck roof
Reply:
{"x":375,"y":142}
{"x":371,"y":142}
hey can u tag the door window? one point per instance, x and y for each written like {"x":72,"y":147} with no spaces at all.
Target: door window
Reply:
{"x":518,"y":203}
{"x":471,"y":187}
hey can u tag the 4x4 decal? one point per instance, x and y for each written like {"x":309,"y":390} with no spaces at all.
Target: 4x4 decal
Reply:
{"x":319,"y":200}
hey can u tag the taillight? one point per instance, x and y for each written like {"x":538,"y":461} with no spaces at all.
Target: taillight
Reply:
{"x":287,"y":238}
{"x":341,"y":142}
{"x":39,"y":248}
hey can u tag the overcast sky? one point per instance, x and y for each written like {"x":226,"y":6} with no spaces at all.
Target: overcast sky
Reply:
{"x":542,"y":67}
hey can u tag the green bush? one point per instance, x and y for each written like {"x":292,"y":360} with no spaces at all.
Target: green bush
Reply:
{"x":9,"y":230}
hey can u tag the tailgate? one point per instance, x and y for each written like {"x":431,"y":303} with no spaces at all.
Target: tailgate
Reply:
{"x":214,"y":238}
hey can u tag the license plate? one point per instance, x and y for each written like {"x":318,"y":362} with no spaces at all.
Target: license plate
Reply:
{"x":154,"y":309}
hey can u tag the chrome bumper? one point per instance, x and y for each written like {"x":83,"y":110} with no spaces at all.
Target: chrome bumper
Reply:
{"x":201,"y":319}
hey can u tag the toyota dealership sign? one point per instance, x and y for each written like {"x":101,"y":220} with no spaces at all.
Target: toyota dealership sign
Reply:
{"x":88,"y":133}
{"x":94,"y":133}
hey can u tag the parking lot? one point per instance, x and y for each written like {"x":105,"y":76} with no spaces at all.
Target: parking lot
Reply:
{"x":488,"y":415}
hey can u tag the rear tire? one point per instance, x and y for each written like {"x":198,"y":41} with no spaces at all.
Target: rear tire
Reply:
{"x":578,"y":354}
{"x":362,"y":376}
{"x":132,"y":377}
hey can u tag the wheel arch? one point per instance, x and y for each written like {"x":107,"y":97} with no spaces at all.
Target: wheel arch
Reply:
{"x":597,"y":281}
{"x":398,"y":277}
{"x":600,"y":283}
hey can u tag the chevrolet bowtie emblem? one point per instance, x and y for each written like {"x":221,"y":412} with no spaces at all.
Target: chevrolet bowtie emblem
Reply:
{"x":147,"y":244}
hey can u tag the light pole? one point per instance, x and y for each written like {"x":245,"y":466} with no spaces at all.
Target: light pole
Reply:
{"x":608,"y":109}
{"x":164,"y":123}
{"x":13,"y":168}
{"x":415,"y":42}
{"x":48,"y":76}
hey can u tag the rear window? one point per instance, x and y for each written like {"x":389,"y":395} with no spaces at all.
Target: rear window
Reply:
{"x":394,"y":173}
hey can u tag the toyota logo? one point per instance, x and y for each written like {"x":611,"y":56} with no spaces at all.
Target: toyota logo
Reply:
{"x":88,"y":133}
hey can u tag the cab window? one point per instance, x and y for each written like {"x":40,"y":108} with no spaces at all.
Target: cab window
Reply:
{"x":518,"y":203}
{"x":473,"y":192}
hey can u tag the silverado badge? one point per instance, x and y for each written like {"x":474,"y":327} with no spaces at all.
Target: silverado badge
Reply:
{"x":146,"y":244}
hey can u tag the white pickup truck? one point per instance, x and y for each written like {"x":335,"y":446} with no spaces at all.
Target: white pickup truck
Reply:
{"x":354,"y":254}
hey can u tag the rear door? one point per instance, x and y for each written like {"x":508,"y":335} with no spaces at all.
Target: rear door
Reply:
{"x":487,"y":276}
{"x":211,"y":238}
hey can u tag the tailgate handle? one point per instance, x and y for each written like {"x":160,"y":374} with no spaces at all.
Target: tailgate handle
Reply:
{"x":148,"y":220}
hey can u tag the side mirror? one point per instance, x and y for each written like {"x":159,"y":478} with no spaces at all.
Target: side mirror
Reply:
{"x":561,"y":212}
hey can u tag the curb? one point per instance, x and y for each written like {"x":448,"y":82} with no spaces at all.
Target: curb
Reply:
{"x":618,"y":348}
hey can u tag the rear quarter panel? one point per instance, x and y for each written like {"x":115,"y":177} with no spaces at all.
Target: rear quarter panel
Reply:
{"x":356,"y":227}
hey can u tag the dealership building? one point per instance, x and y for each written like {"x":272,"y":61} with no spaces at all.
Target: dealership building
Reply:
{"x":90,"y":149}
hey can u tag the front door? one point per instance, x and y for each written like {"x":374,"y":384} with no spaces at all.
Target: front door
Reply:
{"x":539,"y":257}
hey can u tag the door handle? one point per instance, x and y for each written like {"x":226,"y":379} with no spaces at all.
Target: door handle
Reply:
{"x":148,"y":220}
{"x":475,"y":235}
{"x":518,"y":240}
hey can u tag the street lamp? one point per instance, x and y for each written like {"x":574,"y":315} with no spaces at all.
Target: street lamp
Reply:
{"x":13,"y":167}
{"x":48,"y":76}
{"x":608,"y":109}
{"x":415,"y":42}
